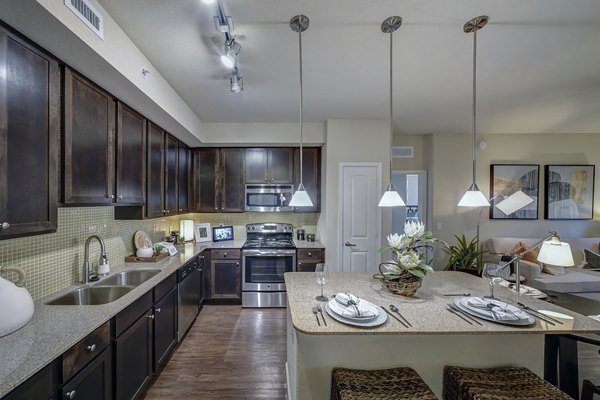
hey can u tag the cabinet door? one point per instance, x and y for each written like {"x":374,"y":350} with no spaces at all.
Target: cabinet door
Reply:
{"x":257,"y":161}
{"x":201,"y":280}
{"x":170,"y":174}
{"x":183,"y":178}
{"x":94,"y":382}
{"x":155,"y":172}
{"x":206,"y":162}
{"x":165,"y":328}
{"x":133,"y":364}
{"x":38,"y":387}
{"x":231,"y":176}
{"x":311,"y":176}
{"x":88,"y":145}
{"x":225,"y":279}
{"x":281,"y":161}
{"x":29,"y":132}
{"x":131,"y":160}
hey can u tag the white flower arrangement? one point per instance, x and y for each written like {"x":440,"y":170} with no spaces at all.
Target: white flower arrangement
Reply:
{"x":409,"y":252}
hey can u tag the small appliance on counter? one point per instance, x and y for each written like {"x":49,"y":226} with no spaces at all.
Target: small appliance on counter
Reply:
{"x":16,"y":304}
{"x":310,"y":237}
{"x":300,"y":234}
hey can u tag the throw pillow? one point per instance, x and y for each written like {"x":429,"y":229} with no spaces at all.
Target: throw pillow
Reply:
{"x":592,"y":259}
{"x":531,"y":256}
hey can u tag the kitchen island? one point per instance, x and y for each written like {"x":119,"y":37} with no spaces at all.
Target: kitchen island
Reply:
{"x":436,"y":338}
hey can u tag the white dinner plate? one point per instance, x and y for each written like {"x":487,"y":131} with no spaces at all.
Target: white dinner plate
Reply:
{"x":462,"y":303}
{"x":141,"y":240}
{"x":338,"y":308}
{"x":381,"y":318}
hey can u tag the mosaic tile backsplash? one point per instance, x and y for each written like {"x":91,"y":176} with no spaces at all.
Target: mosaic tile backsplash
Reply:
{"x":54,"y":261}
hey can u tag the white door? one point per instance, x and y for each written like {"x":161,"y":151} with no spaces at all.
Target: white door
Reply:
{"x":360,"y":218}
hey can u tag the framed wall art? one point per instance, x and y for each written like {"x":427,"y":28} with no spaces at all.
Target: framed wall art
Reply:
{"x":508,"y":179}
{"x":569,"y":192}
{"x":202,"y":233}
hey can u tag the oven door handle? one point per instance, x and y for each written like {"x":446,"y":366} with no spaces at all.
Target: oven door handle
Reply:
{"x":269,"y":253}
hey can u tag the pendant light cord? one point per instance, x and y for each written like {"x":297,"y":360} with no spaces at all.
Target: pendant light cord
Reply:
{"x":474,"y":124}
{"x":301,"y":110}
{"x":391,"y":104}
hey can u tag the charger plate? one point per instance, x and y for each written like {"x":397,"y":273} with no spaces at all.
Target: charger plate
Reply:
{"x":370,"y":323}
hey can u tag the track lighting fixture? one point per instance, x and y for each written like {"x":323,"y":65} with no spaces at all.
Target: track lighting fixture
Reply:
{"x":224,"y":24}
{"x":232,"y":48}
{"x":236,"y":82}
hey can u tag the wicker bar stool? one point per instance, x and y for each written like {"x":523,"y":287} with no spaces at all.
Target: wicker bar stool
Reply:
{"x":384,"y":384}
{"x":510,"y":383}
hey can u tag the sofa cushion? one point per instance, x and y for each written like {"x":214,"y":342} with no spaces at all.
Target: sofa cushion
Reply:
{"x":573,"y":281}
{"x":592,"y":259}
{"x":554,"y":269}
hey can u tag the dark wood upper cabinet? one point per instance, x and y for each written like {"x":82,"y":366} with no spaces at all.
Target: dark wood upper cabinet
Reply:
{"x":183,"y":178}
{"x":88,"y":142}
{"x":204,"y":188}
{"x":171,"y":149}
{"x":29,"y":133}
{"x":131,"y":160}
{"x":269,"y":165}
{"x":231,"y":180}
{"x":311,"y":176}
{"x":155,"y":182}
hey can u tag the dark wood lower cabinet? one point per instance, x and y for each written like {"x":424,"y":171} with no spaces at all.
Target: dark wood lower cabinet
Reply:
{"x":133,"y":359}
{"x":94,"y":382}
{"x":38,"y":387}
{"x":225,"y":279}
{"x":165,"y":328}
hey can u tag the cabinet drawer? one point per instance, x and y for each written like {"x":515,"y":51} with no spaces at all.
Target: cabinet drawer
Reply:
{"x":229,"y":254}
{"x":83,"y":352}
{"x":310,"y":254}
{"x":129,"y":315}
{"x":165,"y":287}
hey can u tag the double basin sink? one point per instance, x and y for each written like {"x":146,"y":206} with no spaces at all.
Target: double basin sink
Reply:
{"x":107,"y":290}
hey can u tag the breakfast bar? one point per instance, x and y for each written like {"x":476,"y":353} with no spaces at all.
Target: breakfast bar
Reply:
{"x":436,"y":338}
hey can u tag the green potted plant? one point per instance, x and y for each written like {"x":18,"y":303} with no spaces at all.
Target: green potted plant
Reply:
{"x":464,"y":256}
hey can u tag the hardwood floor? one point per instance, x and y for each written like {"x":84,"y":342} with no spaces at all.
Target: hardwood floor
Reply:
{"x":229,"y":353}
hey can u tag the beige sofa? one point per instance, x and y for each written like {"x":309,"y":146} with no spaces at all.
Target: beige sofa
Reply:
{"x":575,"y":280}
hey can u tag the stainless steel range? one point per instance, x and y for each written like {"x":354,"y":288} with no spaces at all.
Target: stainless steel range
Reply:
{"x":267,"y":254}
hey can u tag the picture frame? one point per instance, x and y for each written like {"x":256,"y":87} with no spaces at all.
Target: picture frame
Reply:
{"x":507,"y":179}
{"x":202,"y":233}
{"x":569,"y":192}
{"x":222,"y":233}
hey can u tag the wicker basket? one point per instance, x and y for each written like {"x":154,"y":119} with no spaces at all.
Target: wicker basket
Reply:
{"x":406,"y":285}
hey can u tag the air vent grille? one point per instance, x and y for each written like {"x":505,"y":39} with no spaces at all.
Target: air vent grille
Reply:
{"x":88,"y":14}
{"x":402,"y":152}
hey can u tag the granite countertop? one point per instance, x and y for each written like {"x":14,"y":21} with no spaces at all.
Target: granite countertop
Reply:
{"x":426,"y":310}
{"x":303,"y":244}
{"x":54,"y":329}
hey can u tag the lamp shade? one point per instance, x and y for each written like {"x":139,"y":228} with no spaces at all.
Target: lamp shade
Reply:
{"x":391,"y":198}
{"x":300,"y":198}
{"x":514,"y":202}
{"x":555,"y":252}
{"x":473,"y":198}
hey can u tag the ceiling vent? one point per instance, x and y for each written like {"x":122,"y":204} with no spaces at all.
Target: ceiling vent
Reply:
{"x":402,"y":152}
{"x":88,"y":14}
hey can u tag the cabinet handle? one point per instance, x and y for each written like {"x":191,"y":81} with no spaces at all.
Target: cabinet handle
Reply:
{"x":309,"y":254}
{"x":4,"y":225}
{"x":151,"y":316}
{"x":70,"y":395}
{"x":91,"y":348}
{"x":266,"y":180}
{"x":158,"y":310}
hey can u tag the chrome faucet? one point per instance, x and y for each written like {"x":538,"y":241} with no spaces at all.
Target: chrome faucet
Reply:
{"x":86,"y":257}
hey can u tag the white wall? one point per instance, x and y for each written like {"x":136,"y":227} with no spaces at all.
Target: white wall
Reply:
{"x":263,"y":133}
{"x":350,"y":140}
{"x":450,"y":172}
{"x":113,"y":63}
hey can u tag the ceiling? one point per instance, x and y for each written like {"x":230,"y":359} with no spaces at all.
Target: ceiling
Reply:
{"x":538,"y":61}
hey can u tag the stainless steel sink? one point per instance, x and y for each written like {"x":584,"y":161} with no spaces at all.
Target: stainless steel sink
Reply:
{"x":129,"y":278}
{"x":93,"y":295}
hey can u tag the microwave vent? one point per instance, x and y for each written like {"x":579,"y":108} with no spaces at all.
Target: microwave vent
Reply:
{"x":88,"y":14}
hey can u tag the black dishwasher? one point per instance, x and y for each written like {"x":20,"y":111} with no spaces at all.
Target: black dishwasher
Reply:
{"x":188,"y":296}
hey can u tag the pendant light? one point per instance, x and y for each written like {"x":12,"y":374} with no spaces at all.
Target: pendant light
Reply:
{"x":391,"y":198}
{"x":300,"y":198}
{"x":473,"y":196}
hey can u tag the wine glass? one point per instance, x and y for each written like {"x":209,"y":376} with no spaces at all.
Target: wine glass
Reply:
{"x":321,"y":278}
{"x":493,"y":273}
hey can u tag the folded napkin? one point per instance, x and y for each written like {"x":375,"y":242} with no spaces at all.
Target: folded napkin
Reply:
{"x":350,"y":306}
{"x":529,"y":291}
{"x":498,"y":309}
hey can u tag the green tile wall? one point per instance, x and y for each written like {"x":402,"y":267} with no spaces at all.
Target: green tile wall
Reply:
{"x":53,"y":261}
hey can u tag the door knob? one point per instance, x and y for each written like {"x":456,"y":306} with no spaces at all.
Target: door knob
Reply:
{"x":348,"y":244}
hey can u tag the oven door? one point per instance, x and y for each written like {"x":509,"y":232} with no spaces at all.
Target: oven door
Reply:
{"x":262,"y":270}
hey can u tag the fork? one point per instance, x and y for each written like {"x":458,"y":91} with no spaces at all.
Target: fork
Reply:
{"x":319,"y":309}
{"x":315,"y":311}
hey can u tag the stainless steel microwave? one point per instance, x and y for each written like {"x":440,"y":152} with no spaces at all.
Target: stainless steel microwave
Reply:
{"x":269,"y":198}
